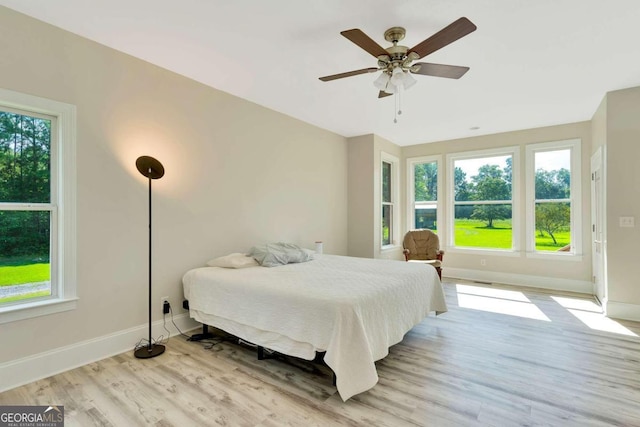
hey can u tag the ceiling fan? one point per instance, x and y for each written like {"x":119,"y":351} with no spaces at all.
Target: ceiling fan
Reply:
{"x":396,"y":62}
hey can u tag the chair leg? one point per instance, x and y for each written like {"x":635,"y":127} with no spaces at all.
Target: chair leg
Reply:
{"x":439,"y":270}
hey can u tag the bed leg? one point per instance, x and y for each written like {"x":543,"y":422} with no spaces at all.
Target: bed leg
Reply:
{"x":203,"y":336}
{"x":335,"y":379}
{"x":260,"y":353}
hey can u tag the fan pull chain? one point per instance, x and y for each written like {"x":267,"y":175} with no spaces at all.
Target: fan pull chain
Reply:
{"x":395,"y":109}
{"x":397,"y":101}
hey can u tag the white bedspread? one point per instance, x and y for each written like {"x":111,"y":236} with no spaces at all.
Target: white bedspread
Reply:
{"x":352,"y":308}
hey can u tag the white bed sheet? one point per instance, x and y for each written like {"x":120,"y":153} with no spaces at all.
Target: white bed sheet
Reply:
{"x":352,"y":308}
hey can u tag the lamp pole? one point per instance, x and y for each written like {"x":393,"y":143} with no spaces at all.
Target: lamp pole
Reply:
{"x":152,"y":169}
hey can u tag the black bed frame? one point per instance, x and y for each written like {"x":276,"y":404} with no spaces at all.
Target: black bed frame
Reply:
{"x":262,"y":355}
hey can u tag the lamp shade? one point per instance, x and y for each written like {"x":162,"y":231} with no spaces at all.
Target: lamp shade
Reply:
{"x":397,"y":76}
{"x":150,"y":167}
{"x":390,"y":88}
{"x":382,"y":81}
{"x":408,"y":81}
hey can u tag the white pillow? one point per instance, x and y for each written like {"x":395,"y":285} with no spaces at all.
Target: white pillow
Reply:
{"x":234,"y":260}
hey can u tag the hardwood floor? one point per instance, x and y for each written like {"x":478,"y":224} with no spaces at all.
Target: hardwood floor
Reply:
{"x":471,"y":366}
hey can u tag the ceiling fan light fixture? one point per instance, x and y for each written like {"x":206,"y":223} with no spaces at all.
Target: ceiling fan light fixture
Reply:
{"x":408,"y":81}
{"x":382,"y":81}
{"x":397,"y":76}
{"x":390,"y":88}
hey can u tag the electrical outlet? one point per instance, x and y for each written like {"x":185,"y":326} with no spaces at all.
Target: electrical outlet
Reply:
{"x":483,"y":262}
{"x":163,"y":299}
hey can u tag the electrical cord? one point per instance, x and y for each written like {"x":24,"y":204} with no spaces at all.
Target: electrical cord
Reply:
{"x":145,"y":342}
{"x":174,"y":323}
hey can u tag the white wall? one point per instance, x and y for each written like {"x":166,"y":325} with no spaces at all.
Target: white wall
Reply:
{"x":237,"y":174}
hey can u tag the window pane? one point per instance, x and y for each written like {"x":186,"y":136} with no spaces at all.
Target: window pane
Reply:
{"x":485,"y":178}
{"x":24,"y":255}
{"x":553,"y":226}
{"x":553,"y":174}
{"x":386,"y":225}
{"x":386,"y":182}
{"x":483,"y":226}
{"x":425,"y":177}
{"x":25,"y":158}
{"x":426,"y":218}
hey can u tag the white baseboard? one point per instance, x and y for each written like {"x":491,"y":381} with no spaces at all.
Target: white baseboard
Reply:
{"x":553,"y":283}
{"x":622,"y":310}
{"x":42,"y":365}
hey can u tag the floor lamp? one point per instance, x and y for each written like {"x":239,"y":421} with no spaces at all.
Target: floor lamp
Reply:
{"x":152,"y":169}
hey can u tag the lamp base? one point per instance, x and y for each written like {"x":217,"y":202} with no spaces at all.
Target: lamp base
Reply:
{"x":148,"y":352}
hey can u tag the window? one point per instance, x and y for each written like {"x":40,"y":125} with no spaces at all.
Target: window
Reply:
{"x":389,"y":196}
{"x":482,"y":188}
{"x":553,"y":183}
{"x":37,"y":213}
{"x":424,"y":187}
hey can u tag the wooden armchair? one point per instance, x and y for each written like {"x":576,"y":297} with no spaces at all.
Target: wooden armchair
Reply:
{"x":423,"y":246}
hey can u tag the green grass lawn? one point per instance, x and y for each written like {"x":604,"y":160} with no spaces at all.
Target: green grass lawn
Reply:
{"x":26,"y":296}
{"x":475,"y":234}
{"x":19,"y":274}
{"x":545,"y":243}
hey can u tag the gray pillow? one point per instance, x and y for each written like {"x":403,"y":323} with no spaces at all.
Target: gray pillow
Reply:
{"x":274,"y":254}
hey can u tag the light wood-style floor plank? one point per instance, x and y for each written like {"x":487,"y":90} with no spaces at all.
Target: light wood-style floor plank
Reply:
{"x":539,"y":365}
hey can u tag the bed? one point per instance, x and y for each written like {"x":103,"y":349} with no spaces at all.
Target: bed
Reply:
{"x":353,"y":309}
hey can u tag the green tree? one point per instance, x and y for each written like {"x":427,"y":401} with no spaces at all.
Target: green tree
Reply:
{"x":490,"y":184}
{"x":463,"y":188}
{"x":463,"y":192}
{"x":555,"y":184}
{"x":25,"y":158}
{"x":552,"y":217}
{"x":426,"y":182}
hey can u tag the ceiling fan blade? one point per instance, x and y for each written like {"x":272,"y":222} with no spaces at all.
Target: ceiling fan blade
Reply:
{"x":348,"y":74}
{"x":447,"y":35}
{"x":364,"y":41}
{"x":440,"y":70}
{"x":382,"y":94}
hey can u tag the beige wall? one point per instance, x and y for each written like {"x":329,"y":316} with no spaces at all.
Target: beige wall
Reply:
{"x":623,"y":195}
{"x":521,"y":265}
{"x":237,"y":174}
{"x":365,"y":161}
{"x":361,"y":202}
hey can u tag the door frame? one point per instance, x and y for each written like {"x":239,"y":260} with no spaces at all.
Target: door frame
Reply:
{"x":598,"y":226}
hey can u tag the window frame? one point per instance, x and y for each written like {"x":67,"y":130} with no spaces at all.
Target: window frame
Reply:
{"x":575,"y":199}
{"x":62,"y":206}
{"x":394,"y":228}
{"x":411,"y":202}
{"x":514,"y":152}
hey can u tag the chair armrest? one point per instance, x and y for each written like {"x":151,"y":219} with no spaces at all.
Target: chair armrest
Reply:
{"x":440,"y":254}
{"x":406,"y":254}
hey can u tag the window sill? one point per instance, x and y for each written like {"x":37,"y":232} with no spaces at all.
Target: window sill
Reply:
{"x":24,"y":311}
{"x":555,"y":256}
{"x":389,"y":248}
{"x":482,"y":251}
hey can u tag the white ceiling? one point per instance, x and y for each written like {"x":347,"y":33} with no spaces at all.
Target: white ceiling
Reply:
{"x":533,"y":63}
